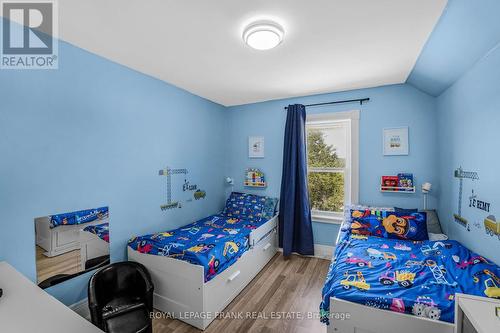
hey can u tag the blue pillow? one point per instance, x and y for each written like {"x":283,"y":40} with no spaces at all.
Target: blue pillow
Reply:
{"x":250,"y":206}
{"x":388,"y":224}
{"x":405,"y":210}
{"x":270,"y":208}
{"x":244,"y":206}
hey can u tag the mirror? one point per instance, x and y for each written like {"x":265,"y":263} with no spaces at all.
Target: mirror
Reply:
{"x":70,"y":244}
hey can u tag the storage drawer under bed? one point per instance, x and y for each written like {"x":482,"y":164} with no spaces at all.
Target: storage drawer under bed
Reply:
{"x":229,"y":283}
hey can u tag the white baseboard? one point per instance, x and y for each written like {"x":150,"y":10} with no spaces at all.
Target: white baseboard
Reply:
{"x":320,"y":251}
{"x":323,"y":251}
{"x":82,"y":308}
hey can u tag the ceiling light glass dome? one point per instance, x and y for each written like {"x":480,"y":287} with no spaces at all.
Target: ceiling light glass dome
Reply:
{"x":263,"y":35}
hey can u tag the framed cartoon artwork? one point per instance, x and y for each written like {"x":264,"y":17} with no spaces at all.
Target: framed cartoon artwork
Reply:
{"x":256,"y":147}
{"x":396,"y":141}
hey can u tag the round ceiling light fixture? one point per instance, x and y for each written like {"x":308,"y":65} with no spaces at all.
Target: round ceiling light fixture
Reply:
{"x":263,"y":35}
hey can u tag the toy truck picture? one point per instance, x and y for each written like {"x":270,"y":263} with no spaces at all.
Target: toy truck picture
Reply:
{"x":425,"y":307}
{"x":355,"y":280}
{"x":358,"y":261}
{"x":491,"y":284}
{"x":491,"y":288}
{"x":403,"y":278}
{"x":473,"y":261}
{"x":411,"y":263}
{"x":491,"y":226}
{"x":199,"y":194}
{"x":376,"y":254}
{"x":430,"y":251}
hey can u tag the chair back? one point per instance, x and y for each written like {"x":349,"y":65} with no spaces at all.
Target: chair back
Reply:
{"x":120,"y":280}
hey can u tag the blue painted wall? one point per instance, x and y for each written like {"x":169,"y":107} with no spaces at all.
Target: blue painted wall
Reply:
{"x":468,"y":120}
{"x":466,"y":31}
{"x":390,"y":106}
{"x":94,"y":133}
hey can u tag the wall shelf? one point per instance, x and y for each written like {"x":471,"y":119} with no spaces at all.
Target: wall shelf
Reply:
{"x":255,"y":185}
{"x":391,"y":189}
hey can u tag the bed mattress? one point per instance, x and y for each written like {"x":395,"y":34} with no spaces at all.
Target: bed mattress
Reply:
{"x":214,"y":242}
{"x":419,"y":278}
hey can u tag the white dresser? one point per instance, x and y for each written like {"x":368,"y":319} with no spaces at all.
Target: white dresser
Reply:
{"x":25,"y":308}
{"x":475,"y":314}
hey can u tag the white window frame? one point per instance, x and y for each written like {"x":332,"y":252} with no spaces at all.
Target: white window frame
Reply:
{"x":351,"y":173}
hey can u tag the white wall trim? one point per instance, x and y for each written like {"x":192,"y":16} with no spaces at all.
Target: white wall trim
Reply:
{"x":323,"y":251}
{"x":82,"y":308}
{"x":320,"y":251}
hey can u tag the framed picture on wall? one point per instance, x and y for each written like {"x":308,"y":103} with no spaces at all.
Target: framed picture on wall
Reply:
{"x":396,"y":141}
{"x":256,"y":147}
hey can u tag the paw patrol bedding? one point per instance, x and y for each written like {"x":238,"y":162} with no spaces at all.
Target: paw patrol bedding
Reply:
{"x":388,"y":224}
{"x":101,"y":230}
{"x":215,"y":242}
{"x":413,"y":277}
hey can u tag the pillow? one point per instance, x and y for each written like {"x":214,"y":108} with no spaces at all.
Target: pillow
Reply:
{"x":270,"y":207}
{"x":437,"y":237}
{"x":388,"y":224}
{"x":244,"y":206}
{"x":433,"y":225}
{"x":405,"y":210}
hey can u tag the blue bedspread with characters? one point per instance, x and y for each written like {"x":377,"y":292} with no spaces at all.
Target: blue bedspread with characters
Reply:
{"x":79,"y":217}
{"x":414,"y":277}
{"x":101,"y":230}
{"x":214,"y":242}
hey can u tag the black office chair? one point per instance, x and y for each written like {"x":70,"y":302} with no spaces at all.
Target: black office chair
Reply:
{"x":121,"y":298}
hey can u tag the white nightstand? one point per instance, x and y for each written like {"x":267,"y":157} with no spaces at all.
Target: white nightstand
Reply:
{"x":476,"y":314}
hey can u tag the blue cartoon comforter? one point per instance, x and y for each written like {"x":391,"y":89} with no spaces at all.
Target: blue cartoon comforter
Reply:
{"x":215,"y":242}
{"x":419,"y":278}
{"x":79,"y":217}
{"x":101,"y":230}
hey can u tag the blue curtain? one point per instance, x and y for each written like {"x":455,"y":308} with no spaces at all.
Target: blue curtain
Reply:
{"x":295,"y":230}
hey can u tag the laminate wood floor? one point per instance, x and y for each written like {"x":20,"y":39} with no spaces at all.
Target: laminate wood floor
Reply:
{"x":287,"y":288}
{"x":66,"y":263}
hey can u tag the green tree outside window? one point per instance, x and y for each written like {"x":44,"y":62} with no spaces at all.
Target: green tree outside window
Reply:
{"x":326,"y":188}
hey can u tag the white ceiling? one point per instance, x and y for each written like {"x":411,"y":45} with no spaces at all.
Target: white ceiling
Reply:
{"x":329,"y":45}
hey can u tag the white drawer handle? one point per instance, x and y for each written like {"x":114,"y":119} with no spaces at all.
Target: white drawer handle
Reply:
{"x":268,"y":245}
{"x":234,"y":276}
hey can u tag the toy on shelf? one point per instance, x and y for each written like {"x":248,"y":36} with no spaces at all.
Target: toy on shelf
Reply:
{"x":390,"y":182}
{"x":403,"y":182}
{"x":255,"y":178}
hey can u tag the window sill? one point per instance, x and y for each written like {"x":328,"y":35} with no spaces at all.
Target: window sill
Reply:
{"x":327,"y":219}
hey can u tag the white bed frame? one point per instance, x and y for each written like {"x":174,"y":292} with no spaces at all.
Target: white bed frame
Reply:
{"x":91,"y":246}
{"x":61,"y":239}
{"x":180,"y":289}
{"x":366,"y":319}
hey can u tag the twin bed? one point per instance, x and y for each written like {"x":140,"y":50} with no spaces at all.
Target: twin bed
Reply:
{"x":383,"y":261}
{"x":416,"y":280}
{"x":198,"y":269}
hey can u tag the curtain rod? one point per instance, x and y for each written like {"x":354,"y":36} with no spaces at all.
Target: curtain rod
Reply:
{"x":359,"y":100}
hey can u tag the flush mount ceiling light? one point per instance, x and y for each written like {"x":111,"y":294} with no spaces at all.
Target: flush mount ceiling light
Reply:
{"x":263,"y":35}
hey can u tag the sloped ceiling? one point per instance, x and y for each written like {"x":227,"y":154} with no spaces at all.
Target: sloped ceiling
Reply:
{"x":466,"y":32}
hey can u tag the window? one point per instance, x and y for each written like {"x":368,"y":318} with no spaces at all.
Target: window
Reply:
{"x":332,"y":163}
